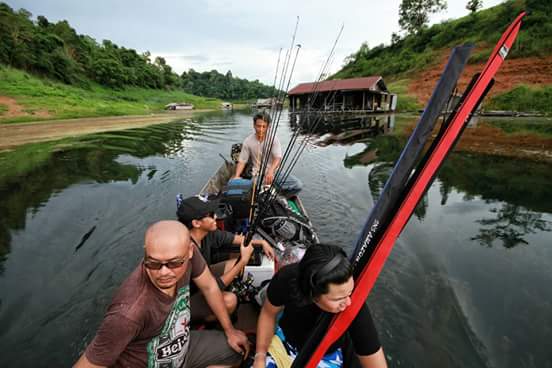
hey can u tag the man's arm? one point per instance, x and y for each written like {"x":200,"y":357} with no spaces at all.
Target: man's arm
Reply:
{"x":267,"y":249}
{"x":112,"y":338}
{"x":376,"y":360}
{"x":208,"y":286}
{"x":83,"y":362}
{"x":237,"y":267}
{"x":272,"y":170}
{"x":265,"y":331}
{"x":239,"y":169}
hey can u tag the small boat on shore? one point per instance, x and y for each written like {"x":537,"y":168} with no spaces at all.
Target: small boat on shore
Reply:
{"x":179,"y":106}
{"x":226,"y":106}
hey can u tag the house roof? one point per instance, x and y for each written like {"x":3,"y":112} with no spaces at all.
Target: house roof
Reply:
{"x":366,"y":83}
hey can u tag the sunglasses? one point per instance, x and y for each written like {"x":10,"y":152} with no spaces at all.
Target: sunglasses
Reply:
{"x":156,"y":265}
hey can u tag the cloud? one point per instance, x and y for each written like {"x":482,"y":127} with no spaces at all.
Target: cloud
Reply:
{"x":244,"y":35}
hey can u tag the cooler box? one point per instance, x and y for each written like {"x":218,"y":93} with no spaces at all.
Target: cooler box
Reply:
{"x":237,"y":194}
{"x":260,"y":273}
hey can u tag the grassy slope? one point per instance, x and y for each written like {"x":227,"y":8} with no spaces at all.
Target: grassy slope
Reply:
{"x":62,"y":101}
{"x":415,"y":53}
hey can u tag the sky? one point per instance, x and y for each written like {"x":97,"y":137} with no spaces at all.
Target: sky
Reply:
{"x":244,"y":36}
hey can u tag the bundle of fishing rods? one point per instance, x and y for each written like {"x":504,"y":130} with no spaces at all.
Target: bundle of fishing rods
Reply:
{"x":263,"y":196}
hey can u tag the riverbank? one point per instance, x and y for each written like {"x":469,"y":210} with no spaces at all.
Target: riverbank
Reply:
{"x":13,"y":135}
{"x":28,"y":98}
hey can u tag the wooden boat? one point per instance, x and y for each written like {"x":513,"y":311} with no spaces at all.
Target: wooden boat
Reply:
{"x":261,"y":268}
{"x":179,"y":106}
{"x":288,"y":248}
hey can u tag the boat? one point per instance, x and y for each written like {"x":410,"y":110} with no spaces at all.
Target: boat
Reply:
{"x":289,"y":232}
{"x":233,"y":216}
{"x":226,"y":106}
{"x":179,"y":106}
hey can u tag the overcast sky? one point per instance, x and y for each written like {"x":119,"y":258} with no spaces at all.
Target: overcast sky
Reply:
{"x":243,"y":36}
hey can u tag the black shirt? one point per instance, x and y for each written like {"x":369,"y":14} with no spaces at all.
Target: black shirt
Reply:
{"x":298,"y":319}
{"x":214,"y":248}
{"x":215,"y":242}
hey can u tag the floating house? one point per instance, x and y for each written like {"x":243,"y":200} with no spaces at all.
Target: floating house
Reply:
{"x":270,"y":103}
{"x":355,"y":95}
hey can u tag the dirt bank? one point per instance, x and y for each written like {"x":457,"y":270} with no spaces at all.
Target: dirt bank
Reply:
{"x":16,"y":110}
{"x":12,"y":135}
{"x":532,"y":71}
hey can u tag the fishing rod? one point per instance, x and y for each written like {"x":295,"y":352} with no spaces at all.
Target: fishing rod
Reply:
{"x":403,"y":190}
{"x":266,"y":154}
{"x":275,"y":126}
{"x":271,"y":133}
{"x":283,"y":172}
{"x":254,"y":191}
{"x":276,"y":116}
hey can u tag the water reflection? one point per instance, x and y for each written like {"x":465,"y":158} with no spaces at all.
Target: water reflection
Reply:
{"x":510,"y":224}
{"x":71,"y":229}
{"x":492,"y":178}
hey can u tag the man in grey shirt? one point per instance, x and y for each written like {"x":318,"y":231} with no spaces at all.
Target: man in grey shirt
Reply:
{"x":252,"y":149}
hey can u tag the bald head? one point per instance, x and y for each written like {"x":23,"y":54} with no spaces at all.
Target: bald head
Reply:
{"x":166,"y":242}
{"x":167,"y":237}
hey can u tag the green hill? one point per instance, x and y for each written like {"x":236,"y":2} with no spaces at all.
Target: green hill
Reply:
{"x":66,"y":74}
{"x":36,"y":98}
{"x":413,"y":54}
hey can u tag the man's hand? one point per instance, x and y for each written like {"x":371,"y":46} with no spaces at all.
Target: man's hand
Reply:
{"x":237,"y":341}
{"x":269,"y":177}
{"x":260,"y":361}
{"x":245,"y":253}
{"x":267,"y":249}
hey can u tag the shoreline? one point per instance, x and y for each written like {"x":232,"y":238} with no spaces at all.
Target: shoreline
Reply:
{"x":13,"y":135}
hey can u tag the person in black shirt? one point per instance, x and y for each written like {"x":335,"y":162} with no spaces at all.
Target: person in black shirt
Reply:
{"x":321,"y":281}
{"x":198,"y":214}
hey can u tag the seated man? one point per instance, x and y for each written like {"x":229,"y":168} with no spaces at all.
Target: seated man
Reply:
{"x":198,"y":215}
{"x":321,"y":282}
{"x":148,"y":321}
{"x":251,"y":156}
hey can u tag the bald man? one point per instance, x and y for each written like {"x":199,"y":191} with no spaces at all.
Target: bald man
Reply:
{"x":147,"y":323}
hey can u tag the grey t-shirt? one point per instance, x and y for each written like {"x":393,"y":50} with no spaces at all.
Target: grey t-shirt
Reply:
{"x":252,"y":150}
{"x":144,"y":327}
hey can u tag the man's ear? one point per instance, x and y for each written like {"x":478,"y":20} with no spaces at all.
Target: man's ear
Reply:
{"x":196,"y":223}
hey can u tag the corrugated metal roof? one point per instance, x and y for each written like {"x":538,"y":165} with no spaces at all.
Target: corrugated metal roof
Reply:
{"x":369,"y":83}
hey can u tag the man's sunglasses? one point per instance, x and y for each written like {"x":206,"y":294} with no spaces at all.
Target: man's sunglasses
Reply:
{"x":156,"y":265}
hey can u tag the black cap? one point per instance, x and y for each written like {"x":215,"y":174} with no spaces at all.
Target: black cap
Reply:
{"x":195,"y":208}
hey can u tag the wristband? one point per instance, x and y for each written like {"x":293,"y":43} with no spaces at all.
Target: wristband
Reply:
{"x":259,"y":354}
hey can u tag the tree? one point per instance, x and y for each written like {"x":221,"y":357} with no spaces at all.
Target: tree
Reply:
{"x":414,"y":14}
{"x":473,"y":5}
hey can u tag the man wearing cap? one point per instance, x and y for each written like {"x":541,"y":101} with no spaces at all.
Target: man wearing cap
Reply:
{"x":148,"y":321}
{"x":198,"y":214}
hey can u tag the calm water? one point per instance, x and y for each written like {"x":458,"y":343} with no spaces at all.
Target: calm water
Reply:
{"x":467,"y":284}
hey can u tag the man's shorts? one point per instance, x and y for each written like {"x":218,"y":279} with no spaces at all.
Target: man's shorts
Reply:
{"x":209,"y":347}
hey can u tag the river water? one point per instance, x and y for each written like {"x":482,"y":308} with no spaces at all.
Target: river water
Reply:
{"x":466,"y":285}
